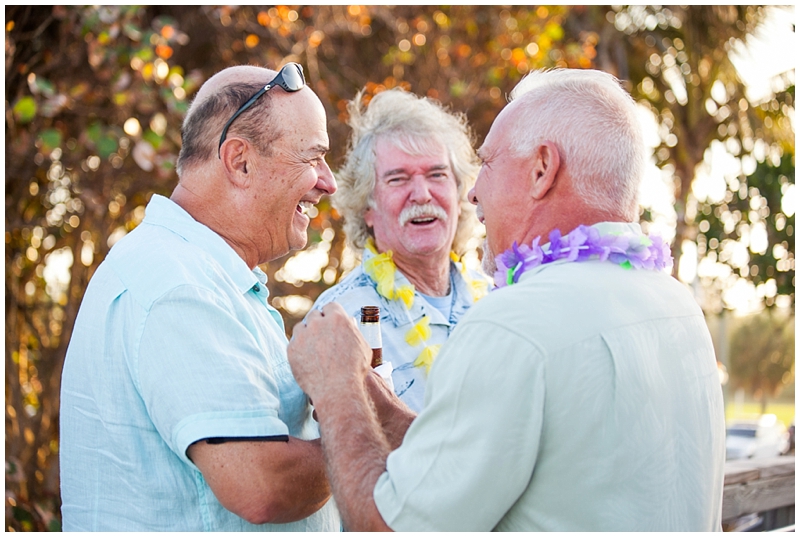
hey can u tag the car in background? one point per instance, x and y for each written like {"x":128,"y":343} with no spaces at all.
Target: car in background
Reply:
{"x":756,"y":438}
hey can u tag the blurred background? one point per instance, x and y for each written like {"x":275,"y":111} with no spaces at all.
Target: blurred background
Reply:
{"x":95,"y":96}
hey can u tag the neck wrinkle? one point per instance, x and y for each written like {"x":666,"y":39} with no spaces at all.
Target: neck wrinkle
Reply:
{"x":428,"y":278}
{"x":565,"y":214}
{"x":215,"y":217}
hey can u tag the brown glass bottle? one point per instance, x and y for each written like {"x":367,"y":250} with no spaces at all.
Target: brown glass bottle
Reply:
{"x":371,"y":330}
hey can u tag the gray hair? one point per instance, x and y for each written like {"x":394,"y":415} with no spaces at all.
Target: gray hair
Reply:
{"x":412,"y":123}
{"x":592,"y":120}
{"x":202,"y":126}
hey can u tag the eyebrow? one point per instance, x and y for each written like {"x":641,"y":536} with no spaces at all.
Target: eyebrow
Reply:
{"x":403,"y":170}
{"x":319,"y":148}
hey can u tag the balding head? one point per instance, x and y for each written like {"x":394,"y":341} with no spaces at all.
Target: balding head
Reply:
{"x":255,"y":190}
{"x":593,"y":122}
{"x":215,"y":102}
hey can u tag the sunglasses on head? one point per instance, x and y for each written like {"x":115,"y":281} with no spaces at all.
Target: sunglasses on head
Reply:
{"x":290,"y":78}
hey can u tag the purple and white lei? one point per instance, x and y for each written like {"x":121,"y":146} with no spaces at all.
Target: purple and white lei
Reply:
{"x":584,"y":243}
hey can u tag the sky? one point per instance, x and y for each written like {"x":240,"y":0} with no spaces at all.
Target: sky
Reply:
{"x":770,"y":51}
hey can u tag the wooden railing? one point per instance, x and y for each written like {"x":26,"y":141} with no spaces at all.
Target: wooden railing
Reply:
{"x":763,"y":486}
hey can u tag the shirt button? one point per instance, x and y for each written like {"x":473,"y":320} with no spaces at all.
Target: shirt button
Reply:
{"x":256,"y":288}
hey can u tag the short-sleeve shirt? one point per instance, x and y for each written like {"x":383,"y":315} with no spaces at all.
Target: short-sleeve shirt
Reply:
{"x":357,"y":289}
{"x":174,"y":343}
{"x":584,"y":398}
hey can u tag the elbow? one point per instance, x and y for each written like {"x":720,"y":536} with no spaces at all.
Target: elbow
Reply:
{"x":276,"y":511}
{"x":262,"y":514}
{"x":269,"y":512}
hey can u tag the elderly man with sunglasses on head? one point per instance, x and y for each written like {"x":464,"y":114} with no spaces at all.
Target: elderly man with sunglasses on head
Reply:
{"x":402,"y":193}
{"x":179,"y":411}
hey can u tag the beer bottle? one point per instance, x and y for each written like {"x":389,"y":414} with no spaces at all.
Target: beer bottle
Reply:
{"x":371,"y":330}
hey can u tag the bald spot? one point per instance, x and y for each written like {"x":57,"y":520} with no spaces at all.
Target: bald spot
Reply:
{"x":240,"y":74}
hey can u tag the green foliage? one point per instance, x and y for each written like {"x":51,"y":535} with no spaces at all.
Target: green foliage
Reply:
{"x":749,"y":233}
{"x":25,"y":110}
{"x":49,"y":139}
{"x":762,"y":355}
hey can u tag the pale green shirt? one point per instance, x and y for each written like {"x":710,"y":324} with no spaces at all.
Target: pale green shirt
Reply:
{"x":584,"y":398}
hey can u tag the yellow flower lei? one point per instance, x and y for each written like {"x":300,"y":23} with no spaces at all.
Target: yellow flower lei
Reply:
{"x":381,"y":268}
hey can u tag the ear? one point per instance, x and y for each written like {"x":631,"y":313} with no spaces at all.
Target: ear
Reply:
{"x":234,"y":156}
{"x":369,"y":217}
{"x":546,"y":162}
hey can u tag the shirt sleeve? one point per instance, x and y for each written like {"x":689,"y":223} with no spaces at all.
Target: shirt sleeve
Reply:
{"x":470,"y":453}
{"x":203,"y":374}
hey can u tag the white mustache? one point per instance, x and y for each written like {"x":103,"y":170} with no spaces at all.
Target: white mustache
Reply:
{"x":421,"y":211}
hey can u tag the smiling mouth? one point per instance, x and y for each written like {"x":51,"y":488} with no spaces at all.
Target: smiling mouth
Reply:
{"x":422,"y":215}
{"x":303,"y":207}
{"x":422,"y":220}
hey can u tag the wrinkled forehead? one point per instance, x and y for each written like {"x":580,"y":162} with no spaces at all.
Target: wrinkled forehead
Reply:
{"x":415,"y":145}
{"x":302,"y":115}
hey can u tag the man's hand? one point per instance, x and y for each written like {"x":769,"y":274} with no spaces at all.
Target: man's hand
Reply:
{"x":327,"y":354}
{"x":331,"y":362}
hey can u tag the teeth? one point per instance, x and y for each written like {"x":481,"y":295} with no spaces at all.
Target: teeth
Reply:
{"x":422,"y":214}
{"x":305,"y":206}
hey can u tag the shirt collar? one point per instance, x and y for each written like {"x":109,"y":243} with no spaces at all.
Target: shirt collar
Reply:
{"x":397,"y":310}
{"x":166,"y":213}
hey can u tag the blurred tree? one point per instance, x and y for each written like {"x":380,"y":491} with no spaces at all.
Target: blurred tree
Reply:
{"x":95,"y":96}
{"x":88,"y":139}
{"x":677,"y":61}
{"x":762,"y":355}
{"x":749,"y":233}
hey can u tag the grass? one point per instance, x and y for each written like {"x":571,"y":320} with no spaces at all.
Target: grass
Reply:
{"x":784,"y":411}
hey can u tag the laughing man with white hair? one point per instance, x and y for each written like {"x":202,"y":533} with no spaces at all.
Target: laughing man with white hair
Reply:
{"x":402,"y":193}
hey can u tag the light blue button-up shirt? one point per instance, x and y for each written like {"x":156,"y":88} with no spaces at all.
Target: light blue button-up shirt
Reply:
{"x":357,"y":289}
{"x":174,"y":342}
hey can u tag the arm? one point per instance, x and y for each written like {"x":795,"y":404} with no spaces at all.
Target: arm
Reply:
{"x":355,"y":452}
{"x":265,"y":482}
{"x":211,"y":378}
{"x":394,"y":416}
{"x":330,"y":360}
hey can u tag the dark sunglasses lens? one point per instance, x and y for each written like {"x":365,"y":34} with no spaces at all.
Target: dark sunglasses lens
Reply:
{"x":293,"y":78}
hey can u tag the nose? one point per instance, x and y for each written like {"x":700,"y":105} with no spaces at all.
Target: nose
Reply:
{"x":325,"y":179}
{"x":472,"y":196}
{"x":420,"y":190}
